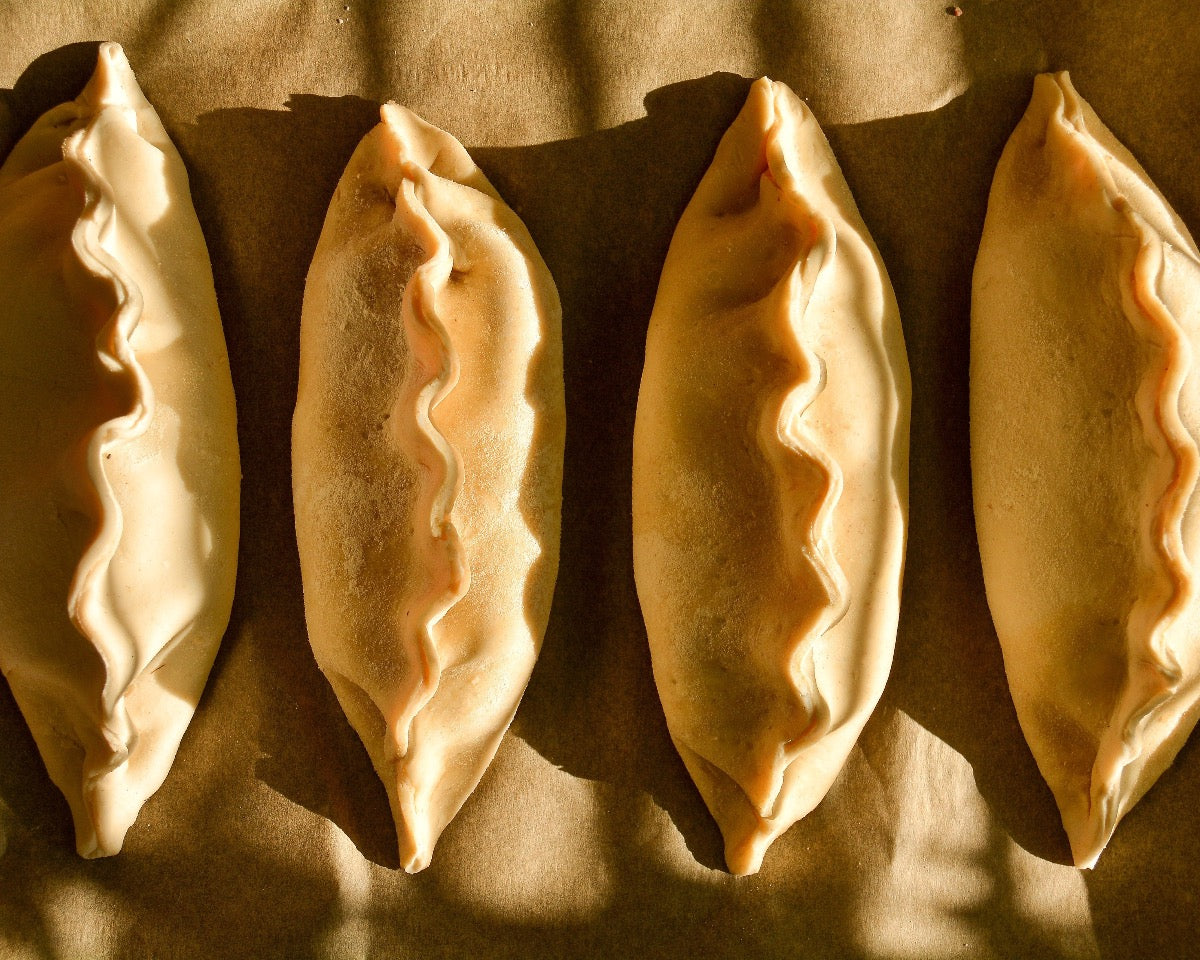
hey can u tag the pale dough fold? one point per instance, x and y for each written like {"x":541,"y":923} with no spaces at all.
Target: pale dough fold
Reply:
{"x":427,"y":453}
{"x":1085,"y":409}
{"x":770,"y":475}
{"x":119,"y":474}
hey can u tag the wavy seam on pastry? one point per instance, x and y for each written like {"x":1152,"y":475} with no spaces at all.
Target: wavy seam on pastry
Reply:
{"x":773,"y":359}
{"x":784,"y":435}
{"x":1155,"y":675}
{"x":86,"y":601}
{"x":1143,"y":233}
{"x":427,"y":461}
{"x":131,"y":435}
{"x":433,"y":350}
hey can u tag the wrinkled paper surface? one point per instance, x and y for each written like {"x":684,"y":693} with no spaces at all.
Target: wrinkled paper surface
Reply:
{"x":595,"y":120}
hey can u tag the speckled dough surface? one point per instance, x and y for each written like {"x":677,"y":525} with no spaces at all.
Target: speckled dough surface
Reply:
{"x":427,"y":454}
{"x":1085,"y":414}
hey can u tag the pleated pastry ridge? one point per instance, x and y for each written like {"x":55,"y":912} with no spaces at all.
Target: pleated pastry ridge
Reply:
{"x":427,"y":458}
{"x":86,"y":602}
{"x":1155,"y":674}
{"x":789,"y":445}
{"x":1152,"y":709}
{"x":742,"y":530}
{"x":434,"y":356}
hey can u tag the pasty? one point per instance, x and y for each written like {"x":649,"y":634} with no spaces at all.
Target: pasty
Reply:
{"x":427,"y":452}
{"x":1085,"y":407}
{"x":118,"y":450}
{"x":770,"y":475}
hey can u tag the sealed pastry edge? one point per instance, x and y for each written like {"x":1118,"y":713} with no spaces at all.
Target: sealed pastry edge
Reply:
{"x":402,"y":130}
{"x":103,"y":812}
{"x":1124,"y":767}
{"x":744,"y":853}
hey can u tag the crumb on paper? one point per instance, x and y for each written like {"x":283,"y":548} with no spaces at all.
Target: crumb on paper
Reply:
{"x":955,"y":11}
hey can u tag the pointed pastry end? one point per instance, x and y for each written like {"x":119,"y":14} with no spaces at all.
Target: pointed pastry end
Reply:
{"x":1059,"y":80}
{"x":399,"y":121}
{"x":414,"y":856}
{"x":1090,"y":821}
{"x":113,"y":82}
{"x":731,"y":183}
{"x":1088,"y":839}
{"x":413,"y":830}
{"x":747,"y":833}
{"x":761,"y":90}
{"x":745,"y":847}
{"x":103,"y":814}
{"x":422,"y":143}
{"x":1052,"y":101}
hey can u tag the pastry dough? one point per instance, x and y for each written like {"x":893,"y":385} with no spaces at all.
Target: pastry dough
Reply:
{"x":118,"y":450}
{"x":770,"y":475}
{"x":1085,"y":407}
{"x":427,"y":464}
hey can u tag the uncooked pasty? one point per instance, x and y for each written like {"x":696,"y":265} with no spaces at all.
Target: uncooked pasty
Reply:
{"x":427,"y":464}
{"x":1085,"y":407}
{"x":118,"y":450}
{"x":770,"y":475}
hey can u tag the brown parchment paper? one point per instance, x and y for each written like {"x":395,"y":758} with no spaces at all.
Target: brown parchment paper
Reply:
{"x":595,"y":120}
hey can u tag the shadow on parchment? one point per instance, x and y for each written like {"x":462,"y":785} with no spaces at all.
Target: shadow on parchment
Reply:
{"x":591,"y":707}
{"x":1144,"y":891}
{"x":948,"y":674}
{"x":265,"y":177}
{"x":922,"y":183}
{"x":53,"y":78}
{"x":604,"y":225}
{"x":601,"y":209}
{"x":581,"y":711}
{"x":925,"y":206}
